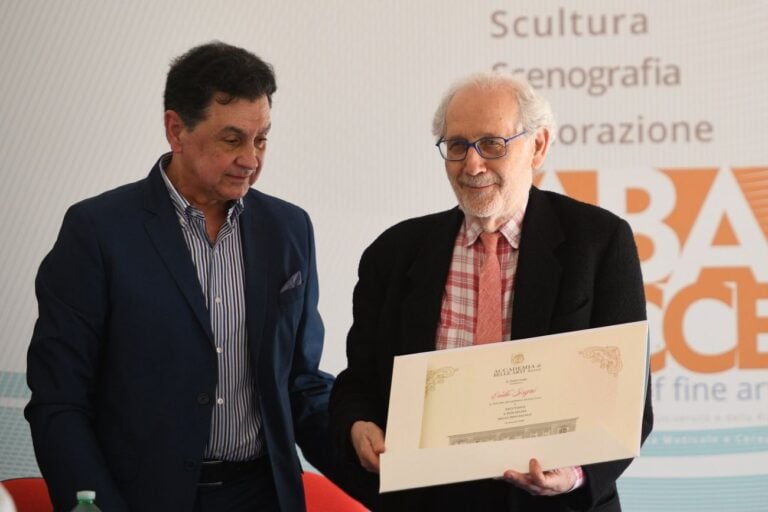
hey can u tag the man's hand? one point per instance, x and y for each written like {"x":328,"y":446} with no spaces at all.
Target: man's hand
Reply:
{"x":368,"y":441}
{"x":542,"y":483}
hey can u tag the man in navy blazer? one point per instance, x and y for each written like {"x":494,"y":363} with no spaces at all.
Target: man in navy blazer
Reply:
{"x":564,"y":266}
{"x":174,"y":363}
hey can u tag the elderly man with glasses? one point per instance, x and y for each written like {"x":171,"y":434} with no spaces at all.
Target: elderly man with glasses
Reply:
{"x":510,"y":262}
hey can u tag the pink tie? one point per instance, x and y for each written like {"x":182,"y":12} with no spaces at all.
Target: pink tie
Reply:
{"x":489,"y":319}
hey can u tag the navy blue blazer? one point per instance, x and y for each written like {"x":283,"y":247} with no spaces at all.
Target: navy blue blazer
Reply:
{"x":122,"y":364}
{"x":577,"y":268}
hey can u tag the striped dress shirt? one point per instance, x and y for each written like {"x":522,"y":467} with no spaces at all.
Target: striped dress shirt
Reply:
{"x":235,"y":423}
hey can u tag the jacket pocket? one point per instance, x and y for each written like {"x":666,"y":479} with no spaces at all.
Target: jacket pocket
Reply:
{"x":288,"y":298}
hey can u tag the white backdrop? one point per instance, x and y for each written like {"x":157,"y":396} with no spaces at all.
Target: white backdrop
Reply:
{"x":661,"y":106}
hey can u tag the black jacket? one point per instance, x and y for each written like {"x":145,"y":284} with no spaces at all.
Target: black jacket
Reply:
{"x":578,"y":268}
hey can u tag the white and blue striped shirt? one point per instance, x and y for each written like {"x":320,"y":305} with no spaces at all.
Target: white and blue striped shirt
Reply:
{"x":236,"y":423}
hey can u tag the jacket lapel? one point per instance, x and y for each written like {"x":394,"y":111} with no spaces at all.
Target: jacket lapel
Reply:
{"x":538,"y":269}
{"x":256,"y":260}
{"x":162,"y":226}
{"x":421,"y":307}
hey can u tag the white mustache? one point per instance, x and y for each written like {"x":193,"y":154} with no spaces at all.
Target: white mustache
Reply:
{"x":479,"y":180}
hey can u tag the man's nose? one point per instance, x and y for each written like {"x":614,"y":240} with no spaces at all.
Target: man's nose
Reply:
{"x":473,"y":162}
{"x":249,"y":157}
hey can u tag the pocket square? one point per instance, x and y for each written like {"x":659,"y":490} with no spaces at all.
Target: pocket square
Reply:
{"x":292,"y":282}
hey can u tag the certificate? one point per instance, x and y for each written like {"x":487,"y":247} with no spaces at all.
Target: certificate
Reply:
{"x":567,"y":399}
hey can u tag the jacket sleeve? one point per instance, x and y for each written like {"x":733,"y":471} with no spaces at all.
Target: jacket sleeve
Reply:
{"x":310,"y":387}
{"x":619,"y":298}
{"x":356,"y":393}
{"x":310,"y":390}
{"x":63,"y":366}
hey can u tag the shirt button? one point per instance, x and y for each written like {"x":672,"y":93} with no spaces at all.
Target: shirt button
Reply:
{"x":203,"y":399}
{"x":217,"y":300}
{"x":219,"y":401}
{"x":219,"y":350}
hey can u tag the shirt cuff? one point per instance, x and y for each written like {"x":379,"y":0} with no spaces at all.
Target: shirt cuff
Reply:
{"x":580,"y":478}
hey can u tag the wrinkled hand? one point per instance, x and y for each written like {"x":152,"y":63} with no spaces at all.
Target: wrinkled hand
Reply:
{"x":368,"y":441}
{"x":542,"y":483}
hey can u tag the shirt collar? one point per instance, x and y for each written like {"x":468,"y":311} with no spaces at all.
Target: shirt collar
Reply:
{"x":511,"y":230}
{"x":183,"y":208}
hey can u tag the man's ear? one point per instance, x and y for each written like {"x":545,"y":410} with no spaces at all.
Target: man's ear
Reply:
{"x":540,"y":147}
{"x":174,"y":129}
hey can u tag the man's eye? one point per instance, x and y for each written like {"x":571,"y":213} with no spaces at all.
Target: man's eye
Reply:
{"x":456,"y":145}
{"x":260,"y":143}
{"x":232,"y":142}
{"x":491,"y":144}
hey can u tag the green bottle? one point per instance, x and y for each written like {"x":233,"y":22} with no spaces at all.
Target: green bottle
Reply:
{"x":85,"y":502}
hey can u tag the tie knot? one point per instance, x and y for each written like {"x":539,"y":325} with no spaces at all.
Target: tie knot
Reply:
{"x":490,"y":241}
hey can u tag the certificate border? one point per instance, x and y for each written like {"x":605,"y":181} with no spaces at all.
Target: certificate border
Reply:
{"x":405,"y":465}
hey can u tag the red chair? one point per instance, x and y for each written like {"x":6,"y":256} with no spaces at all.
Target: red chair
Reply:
{"x":322,"y":495}
{"x":30,"y":494}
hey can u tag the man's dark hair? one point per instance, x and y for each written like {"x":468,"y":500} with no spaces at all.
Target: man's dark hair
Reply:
{"x":215,"y":69}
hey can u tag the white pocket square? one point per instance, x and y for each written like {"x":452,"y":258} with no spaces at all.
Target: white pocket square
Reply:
{"x":292,"y":282}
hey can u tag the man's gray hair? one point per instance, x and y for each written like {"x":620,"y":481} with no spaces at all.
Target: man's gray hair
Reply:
{"x":535,"y":111}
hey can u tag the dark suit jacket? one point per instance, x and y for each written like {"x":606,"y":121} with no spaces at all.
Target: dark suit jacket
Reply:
{"x":122,"y":365}
{"x":578,"y":268}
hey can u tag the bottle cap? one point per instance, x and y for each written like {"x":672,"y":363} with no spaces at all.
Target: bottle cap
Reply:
{"x":86,"y":495}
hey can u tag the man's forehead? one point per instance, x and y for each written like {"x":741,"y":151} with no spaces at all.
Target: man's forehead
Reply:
{"x":483,"y":97}
{"x":481,"y":111}
{"x":225,"y":98}
{"x":239,"y":130}
{"x":240,"y":112}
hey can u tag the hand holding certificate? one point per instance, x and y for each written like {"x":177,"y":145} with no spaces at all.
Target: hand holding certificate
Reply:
{"x":567,"y":399}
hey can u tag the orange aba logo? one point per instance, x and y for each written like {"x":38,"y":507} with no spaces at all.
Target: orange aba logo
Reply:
{"x":702,"y":238}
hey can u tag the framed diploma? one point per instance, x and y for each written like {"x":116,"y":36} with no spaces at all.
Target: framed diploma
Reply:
{"x":566,"y":399}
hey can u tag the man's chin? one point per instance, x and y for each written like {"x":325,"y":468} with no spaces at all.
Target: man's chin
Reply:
{"x":479,"y":213}
{"x":478,"y":203}
{"x":239,"y":192}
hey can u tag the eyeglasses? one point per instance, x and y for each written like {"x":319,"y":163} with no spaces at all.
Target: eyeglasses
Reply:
{"x":455,"y":150}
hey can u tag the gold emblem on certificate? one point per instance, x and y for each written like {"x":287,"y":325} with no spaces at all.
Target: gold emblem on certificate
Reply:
{"x":438,"y":376}
{"x":609,"y":358}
